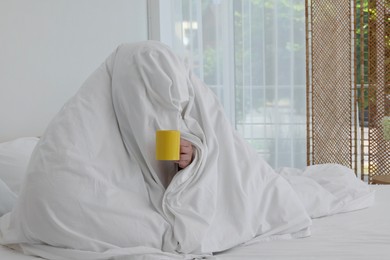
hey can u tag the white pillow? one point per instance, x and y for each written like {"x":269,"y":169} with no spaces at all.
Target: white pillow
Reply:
{"x":14,"y":157}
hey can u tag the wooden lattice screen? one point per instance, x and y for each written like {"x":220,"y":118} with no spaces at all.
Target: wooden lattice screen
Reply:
{"x":378,"y":94}
{"x":348,"y":84}
{"x":329,"y":82}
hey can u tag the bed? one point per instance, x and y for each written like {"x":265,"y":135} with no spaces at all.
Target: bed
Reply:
{"x":361,"y":234}
{"x":93,"y":189}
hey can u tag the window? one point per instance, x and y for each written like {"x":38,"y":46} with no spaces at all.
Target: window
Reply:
{"x":252,"y":54}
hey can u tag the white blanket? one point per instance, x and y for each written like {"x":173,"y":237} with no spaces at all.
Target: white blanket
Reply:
{"x":94,"y":190}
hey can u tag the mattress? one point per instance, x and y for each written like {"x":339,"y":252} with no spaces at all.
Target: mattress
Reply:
{"x":363,"y":234}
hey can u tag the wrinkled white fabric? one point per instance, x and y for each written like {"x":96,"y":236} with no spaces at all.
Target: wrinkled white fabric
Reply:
{"x":94,"y":190}
{"x":7,"y":200}
{"x":328,"y":189}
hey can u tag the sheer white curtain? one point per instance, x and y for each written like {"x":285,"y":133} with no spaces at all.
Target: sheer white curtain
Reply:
{"x":252,"y":54}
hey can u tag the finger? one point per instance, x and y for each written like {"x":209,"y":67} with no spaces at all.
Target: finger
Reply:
{"x":183,"y":164}
{"x":186,"y":150}
{"x":185,"y":157}
{"x":185,"y":143}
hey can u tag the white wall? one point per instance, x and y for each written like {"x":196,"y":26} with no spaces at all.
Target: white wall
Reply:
{"x":48,"y":48}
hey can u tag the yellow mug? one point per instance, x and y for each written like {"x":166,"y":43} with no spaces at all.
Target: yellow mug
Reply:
{"x":167,"y":145}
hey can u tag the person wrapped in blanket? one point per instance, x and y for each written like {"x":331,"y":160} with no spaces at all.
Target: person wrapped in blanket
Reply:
{"x":95,"y":191}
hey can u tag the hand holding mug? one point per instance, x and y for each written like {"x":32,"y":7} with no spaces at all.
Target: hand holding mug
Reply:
{"x":186,"y":153}
{"x":170,"y":147}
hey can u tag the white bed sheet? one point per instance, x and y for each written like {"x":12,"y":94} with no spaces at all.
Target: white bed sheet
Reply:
{"x":363,"y":234}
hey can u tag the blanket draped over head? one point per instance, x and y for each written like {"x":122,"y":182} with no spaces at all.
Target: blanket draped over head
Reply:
{"x":95,"y":191}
